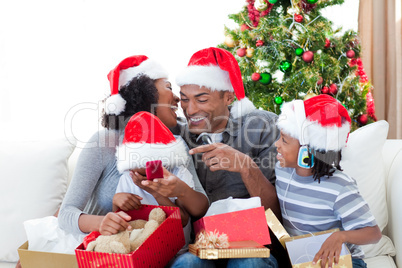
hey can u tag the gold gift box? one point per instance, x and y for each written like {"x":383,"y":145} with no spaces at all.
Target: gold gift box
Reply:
{"x":345,"y":260}
{"x":237,"y":249}
{"x":276,"y":227}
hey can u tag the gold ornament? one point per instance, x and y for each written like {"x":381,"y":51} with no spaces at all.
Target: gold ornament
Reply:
{"x":260,"y":5}
{"x":309,"y":95}
{"x":250,"y":52}
{"x":252,"y":35}
{"x":229,"y":41}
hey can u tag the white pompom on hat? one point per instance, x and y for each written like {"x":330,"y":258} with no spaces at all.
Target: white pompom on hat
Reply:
{"x":146,"y":138}
{"x":217,"y":69}
{"x":123,"y":73}
{"x":321,"y":122}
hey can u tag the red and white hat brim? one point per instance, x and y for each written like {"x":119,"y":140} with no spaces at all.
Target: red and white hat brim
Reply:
{"x":210,"y":76}
{"x":148,"y":67}
{"x":136,"y":155}
{"x":318,"y":137}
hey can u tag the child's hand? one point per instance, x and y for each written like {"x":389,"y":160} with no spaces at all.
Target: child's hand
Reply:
{"x":330,"y":250}
{"x":126,"y":201}
{"x":113,"y":223}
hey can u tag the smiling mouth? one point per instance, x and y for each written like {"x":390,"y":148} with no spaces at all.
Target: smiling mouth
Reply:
{"x":174,"y":108}
{"x":196,"y":119}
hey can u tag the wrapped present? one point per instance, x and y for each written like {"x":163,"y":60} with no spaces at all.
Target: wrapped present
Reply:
{"x":248,"y":224}
{"x":155,"y":251}
{"x":235,"y":249}
{"x":302,"y":249}
{"x":276,"y":227}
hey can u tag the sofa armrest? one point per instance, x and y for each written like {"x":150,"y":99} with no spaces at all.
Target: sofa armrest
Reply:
{"x":393,"y":157}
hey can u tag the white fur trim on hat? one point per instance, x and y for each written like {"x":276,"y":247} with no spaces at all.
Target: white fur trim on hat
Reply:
{"x":242,"y":107}
{"x":136,"y":155}
{"x":210,"y":76}
{"x":115,"y":104}
{"x":148,"y":67}
{"x":331,"y":138}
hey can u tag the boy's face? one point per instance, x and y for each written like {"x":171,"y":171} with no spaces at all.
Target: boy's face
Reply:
{"x":288,"y":150}
{"x":205,"y":110}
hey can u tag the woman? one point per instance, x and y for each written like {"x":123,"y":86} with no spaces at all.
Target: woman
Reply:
{"x":137,"y":84}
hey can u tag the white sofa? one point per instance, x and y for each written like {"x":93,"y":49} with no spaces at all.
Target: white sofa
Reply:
{"x":33,"y":191}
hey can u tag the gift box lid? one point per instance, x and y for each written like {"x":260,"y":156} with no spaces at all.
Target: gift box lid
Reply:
{"x":237,"y":249}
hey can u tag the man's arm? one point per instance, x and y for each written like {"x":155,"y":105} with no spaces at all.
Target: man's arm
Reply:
{"x":218,"y":156}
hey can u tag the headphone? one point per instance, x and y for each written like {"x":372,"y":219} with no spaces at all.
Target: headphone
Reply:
{"x":305,"y":158}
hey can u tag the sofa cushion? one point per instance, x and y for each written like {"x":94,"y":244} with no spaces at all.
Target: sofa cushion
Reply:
{"x":33,"y":183}
{"x":362,"y":159}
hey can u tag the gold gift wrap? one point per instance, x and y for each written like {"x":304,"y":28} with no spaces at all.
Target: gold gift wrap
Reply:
{"x":276,"y":227}
{"x":237,"y":249}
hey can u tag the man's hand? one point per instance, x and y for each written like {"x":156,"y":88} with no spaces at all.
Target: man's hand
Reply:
{"x":113,"y":223}
{"x":219,"y":156}
{"x":126,"y":201}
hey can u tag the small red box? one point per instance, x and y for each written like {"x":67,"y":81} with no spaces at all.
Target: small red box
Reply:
{"x":248,"y":224}
{"x":156,"y":251}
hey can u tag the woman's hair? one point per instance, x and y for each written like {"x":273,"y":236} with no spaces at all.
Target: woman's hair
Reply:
{"x":140,"y":94}
{"x":325,"y":163}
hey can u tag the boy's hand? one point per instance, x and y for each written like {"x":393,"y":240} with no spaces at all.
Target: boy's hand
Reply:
{"x":330,"y":250}
{"x":126,"y":201}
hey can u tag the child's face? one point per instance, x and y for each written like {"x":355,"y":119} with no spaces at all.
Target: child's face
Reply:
{"x":288,"y":149}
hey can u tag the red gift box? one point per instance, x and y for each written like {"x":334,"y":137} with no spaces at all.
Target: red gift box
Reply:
{"x":248,"y":224}
{"x":156,"y":251}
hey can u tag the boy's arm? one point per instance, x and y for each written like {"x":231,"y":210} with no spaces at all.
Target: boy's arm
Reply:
{"x":331,"y":248}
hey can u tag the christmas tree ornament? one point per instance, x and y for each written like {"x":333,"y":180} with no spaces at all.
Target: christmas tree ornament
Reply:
{"x":285,"y":66}
{"x":309,"y":95}
{"x":229,"y":41}
{"x":255,"y":76}
{"x":325,"y":90}
{"x":244,"y":27}
{"x":311,"y":1}
{"x":241,"y":52}
{"x":333,"y":89}
{"x":362,"y":119}
{"x":320,"y":80}
{"x":298,"y":18}
{"x":272,"y":1}
{"x":327,"y":43}
{"x":308,"y":56}
{"x":259,"y":43}
{"x":250,"y":52}
{"x":350,"y":54}
{"x":299,"y":51}
{"x":278,"y":100}
{"x":266,"y":78}
{"x":260,"y":5}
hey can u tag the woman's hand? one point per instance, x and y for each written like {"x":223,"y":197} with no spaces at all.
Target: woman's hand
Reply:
{"x":330,"y":250}
{"x":113,"y":223}
{"x":126,"y":201}
{"x":169,"y":186}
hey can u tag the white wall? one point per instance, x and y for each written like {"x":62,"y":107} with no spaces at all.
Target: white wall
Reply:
{"x":55,"y":55}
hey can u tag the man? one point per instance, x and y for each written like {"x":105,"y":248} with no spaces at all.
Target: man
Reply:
{"x":240,"y":159}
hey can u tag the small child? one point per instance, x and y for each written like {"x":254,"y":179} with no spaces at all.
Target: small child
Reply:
{"x":313,"y":192}
{"x":146,"y":138}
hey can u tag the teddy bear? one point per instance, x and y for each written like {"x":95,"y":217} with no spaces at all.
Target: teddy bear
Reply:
{"x":128,"y":241}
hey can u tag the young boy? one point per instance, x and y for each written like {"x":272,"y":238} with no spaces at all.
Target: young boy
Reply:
{"x":313,"y":192}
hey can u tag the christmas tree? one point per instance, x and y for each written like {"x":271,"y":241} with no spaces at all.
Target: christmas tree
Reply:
{"x":287,"y":50}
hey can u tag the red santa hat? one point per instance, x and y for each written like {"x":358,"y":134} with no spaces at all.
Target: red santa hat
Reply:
{"x":123,"y":73}
{"x":320,"y":122}
{"x":217,"y":69}
{"x":146,"y":138}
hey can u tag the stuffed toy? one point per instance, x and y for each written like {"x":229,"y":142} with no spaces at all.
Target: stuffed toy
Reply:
{"x":128,"y":241}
